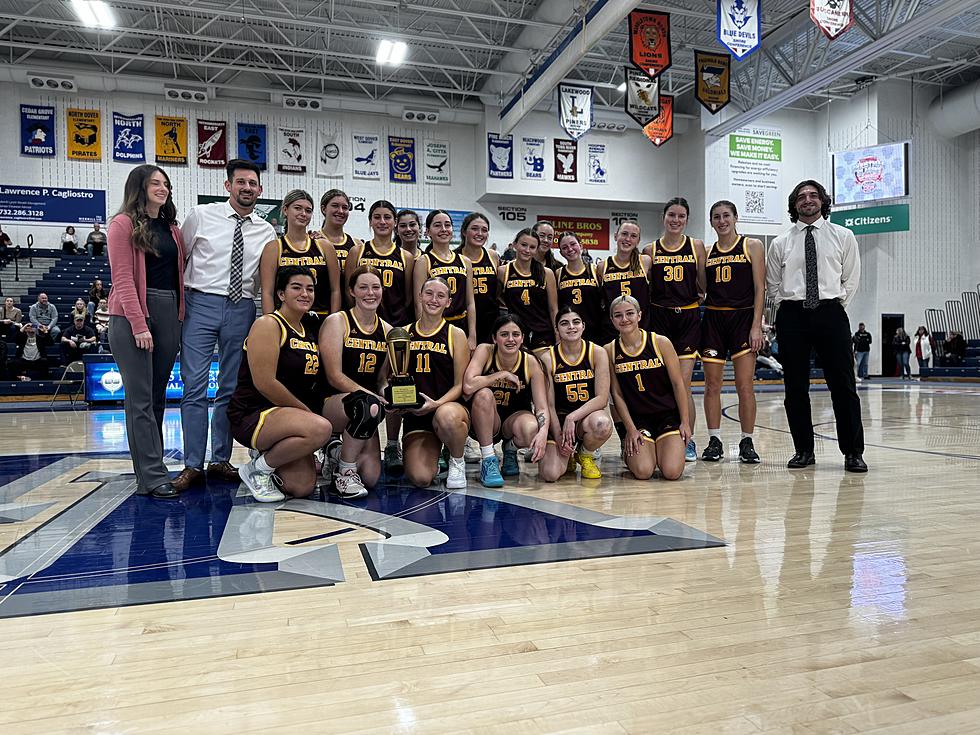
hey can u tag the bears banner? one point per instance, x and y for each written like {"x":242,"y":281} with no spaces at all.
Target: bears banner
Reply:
{"x":642,"y":100}
{"x":833,"y":17}
{"x":253,"y":144}
{"x":738,"y":26}
{"x":328,"y":159}
{"x":712,"y":74}
{"x":649,"y":34}
{"x":366,"y":156}
{"x":500,"y":156}
{"x":212,"y":144}
{"x":401,"y":159}
{"x":597,"y":170}
{"x":128,"y":138}
{"x":171,"y":139}
{"x":576,"y":109}
{"x":292,"y":151}
{"x":437,"y":162}
{"x":84,"y":134}
{"x":532,"y":159}
{"x":566,"y":160}
{"x":36,"y":130}
{"x":661,"y":129}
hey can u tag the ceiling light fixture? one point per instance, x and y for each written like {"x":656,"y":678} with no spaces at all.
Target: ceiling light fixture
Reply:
{"x":621,"y":87}
{"x":94,"y":13}
{"x":391,"y":52}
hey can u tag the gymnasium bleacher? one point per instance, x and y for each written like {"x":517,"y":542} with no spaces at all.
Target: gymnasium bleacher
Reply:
{"x":963,"y":316}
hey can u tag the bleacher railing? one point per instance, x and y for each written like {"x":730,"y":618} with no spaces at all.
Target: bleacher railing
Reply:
{"x":971,"y":314}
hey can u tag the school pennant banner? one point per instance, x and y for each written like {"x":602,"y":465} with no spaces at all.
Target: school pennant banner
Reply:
{"x":576,"y":109}
{"x":712,"y":74}
{"x":642,"y":99}
{"x":253,"y":144}
{"x":292,"y":151}
{"x":739,"y":29}
{"x":833,"y":17}
{"x":36,"y":131}
{"x":366,"y":156}
{"x":649,"y":34}
{"x":661,"y":129}
{"x":566,"y":160}
{"x":84,"y":134}
{"x":401,"y":159}
{"x":437,"y":162}
{"x":532,"y":159}
{"x":597,"y":170}
{"x":500,"y":156}
{"x":212,"y":143}
{"x":128,"y":138}
{"x":171,"y":139}
{"x":328,"y":159}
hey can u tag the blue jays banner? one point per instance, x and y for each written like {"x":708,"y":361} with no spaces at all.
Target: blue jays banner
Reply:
{"x":401,"y":159}
{"x":500,"y":156}
{"x":739,"y":29}
{"x":36,"y":130}
{"x":128,"y":139}
{"x":52,"y":204}
{"x":576,"y":109}
{"x":252,"y":144}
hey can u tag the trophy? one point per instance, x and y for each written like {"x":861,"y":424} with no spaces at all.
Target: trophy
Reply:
{"x":400,"y":391}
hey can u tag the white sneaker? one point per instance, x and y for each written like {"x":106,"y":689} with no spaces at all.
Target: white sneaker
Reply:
{"x":471,"y":452}
{"x":319,"y":456}
{"x":331,"y":458}
{"x":456,"y":478}
{"x":259,"y":484}
{"x":347,"y":484}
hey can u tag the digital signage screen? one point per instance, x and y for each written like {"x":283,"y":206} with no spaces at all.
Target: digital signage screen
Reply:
{"x":871,"y":174}
{"x":103,"y":381}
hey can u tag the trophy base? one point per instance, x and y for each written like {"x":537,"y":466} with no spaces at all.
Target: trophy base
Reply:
{"x":402,"y":396}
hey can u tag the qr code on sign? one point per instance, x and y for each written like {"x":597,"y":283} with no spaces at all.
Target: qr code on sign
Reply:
{"x":755,"y":202}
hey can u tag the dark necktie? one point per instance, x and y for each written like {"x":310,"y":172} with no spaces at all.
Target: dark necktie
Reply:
{"x":237,"y":259}
{"x":812,"y":298}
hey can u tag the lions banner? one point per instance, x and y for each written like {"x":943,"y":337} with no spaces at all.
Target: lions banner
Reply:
{"x":212,"y":144}
{"x":649,"y":34}
{"x":292,"y":151}
{"x":576,"y":109}
{"x":739,"y":29}
{"x":171,"y":139}
{"x":661,"y":129}
{"x":252,"y":144}
{"x":833,"y":17}
{"x":36,"y":130}
{"x":713,"y":80}
{"x":84,"y":134}
{"x":128,"y":138}
{"x":642,"y":100}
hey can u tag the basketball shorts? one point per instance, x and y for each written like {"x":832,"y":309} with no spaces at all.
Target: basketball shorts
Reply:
{"x":682,"y":327}
{"x":724,"y":333}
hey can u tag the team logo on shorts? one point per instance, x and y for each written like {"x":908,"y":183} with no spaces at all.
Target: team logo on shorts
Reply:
{"x":711,"y":353}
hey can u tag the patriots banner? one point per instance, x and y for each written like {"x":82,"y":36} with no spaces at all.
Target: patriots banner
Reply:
{"x":292,"y":151}
{"x":566,"y":160}
{"x":739,"y":29}
{"x":253,"y":144}
{"x":437,"y":162}
{"x":212,"y":144}
{"x":576,"y":109}
{"x":366,"y":156}
{"x":642,"y":100}
{"x":500,"y":156}
{"x":401,"y":159}
{"x":328,"y":161}
{"x":649,"y":34}
{"x":128,"y":138}
{"x":712,"y":74}
{"x":532,"y":159}
{"x":833,"y":17}
{"x":36,"y":130}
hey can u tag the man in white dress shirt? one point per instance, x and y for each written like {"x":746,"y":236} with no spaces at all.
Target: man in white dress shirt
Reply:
{"x":223,"y":243}
{"x":812,"y":272}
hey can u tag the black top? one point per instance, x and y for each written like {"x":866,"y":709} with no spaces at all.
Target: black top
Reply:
{"x":432,"y":363}
{"x":729,"y":280}
{"x":161,"y":270}
{"x":862,"y":341}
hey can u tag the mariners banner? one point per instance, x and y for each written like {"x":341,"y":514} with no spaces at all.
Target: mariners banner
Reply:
{"x":597,"y":170}
{"x":532,"y":159}
{"x":328,"y":159}
{"x":576,"y":109}
{"x":401,"y":159}
{"x":661,"y":129}
{"x":833,"y":17}
{"x":437,"y":162}
{"x":252,"y":144}
{"x":566,"y":160}
{"x":36,"y":130}
{"x":649,"y":34}
{"x":500,"y":156}
{"x":292,"y":151}
{"x":171,"y":139}
{"x":128,"y":138}
{"x":738,"y":25}
{"x":642,"y":99}
{"x":212,"y":144}
{"x":84,"y":134}
{"x":712,"y":74}
{"x":366,"y":156}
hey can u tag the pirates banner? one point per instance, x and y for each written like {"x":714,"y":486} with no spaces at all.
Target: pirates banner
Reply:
{"x":292,"y":151}
{"x":576,"y":109}
{"x":642,"y":99}
{"x":36,"y":130}
{"x":712,"y":74}
{"x":128,"y":138}
{"x":833,"y":17}
{"x":84,"y":134}
{"x":171,"y":139}
{"x":566,"y":163}
{"x":649,"y":34}
{"x":660,"y":130}
{"x":328,"y":163}
{"x":738,"y":26}
{"x":212,"y":144}
{"x":252,"y":144}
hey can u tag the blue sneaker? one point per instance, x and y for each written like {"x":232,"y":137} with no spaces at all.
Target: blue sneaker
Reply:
{"x":691,"y":453}
{"x":511,"y":466}
{"x":490,"y":472}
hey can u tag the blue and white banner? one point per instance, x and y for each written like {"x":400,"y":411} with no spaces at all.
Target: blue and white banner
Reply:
{"x":253,"y":144}
{"x":436,"y":162}
{"x":36,"y":130}
{"x":576,"y":109}
{"x":598,"y":170}
{"x":128,"y":138}
{"x":401,"y":159}
{"x":739,"y":28}
{"x":52,"y":204}
{"x":103,"y":381}
{"x":366,"y":156}
{"x":500,"y":156}
{"x":532,"y":159}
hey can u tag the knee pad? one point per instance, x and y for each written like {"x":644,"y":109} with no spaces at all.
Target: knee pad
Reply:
{"x":358,"y":407}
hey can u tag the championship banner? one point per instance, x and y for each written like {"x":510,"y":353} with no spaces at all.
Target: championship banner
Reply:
{"x":833,"y":17}
{"x":713,"y":78}
{"x":661,"y":129}
{"x":566,"y":160}
{"x":128,"y":138}
{"x":171,"y":139}
{"x":642,"y":99}
{"x":292,"y":151}
{"x":401,"y":159}
{"x":212,"y":144}
{"x":596,"y":172}
{"x":84,"y":134}
{"x":365,"y":156}
{"x":532,"y":159}
{"x":436,"y":162}
{"x":739,"y":29}
{"x":252,"y":144}
{"x":576,"y":109}
{"x":328,"y":163}
{"x":36,"y":130}
{"x":500,"y":156}
{"x":649,"y":34}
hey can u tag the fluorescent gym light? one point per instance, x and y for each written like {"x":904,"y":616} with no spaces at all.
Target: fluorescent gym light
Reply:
{"x":621,"y":87}
{"x":391,"y":52}
{"x":94,"y":13}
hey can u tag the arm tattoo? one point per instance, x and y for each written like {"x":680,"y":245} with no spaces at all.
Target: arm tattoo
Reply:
{"x":540,"y":417}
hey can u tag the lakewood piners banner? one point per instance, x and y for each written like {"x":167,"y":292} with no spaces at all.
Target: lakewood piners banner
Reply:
{"x":171,"y":139}
{"x":36,"y":130}
{"x":833,"y":17}
{"x":649,"y":34}
{"x":576,"y":109}
{"x":739,"y":29}
{"x":713,"y":80}
{"x":84,"y":134}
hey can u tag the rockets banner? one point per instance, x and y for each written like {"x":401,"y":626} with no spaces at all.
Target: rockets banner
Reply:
{"x":212,"y":144}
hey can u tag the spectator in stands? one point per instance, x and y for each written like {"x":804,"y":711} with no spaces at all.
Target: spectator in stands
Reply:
{"x":44,"y":317}
{"x":102,"y":322}
{"x":10,"y":319}
{"x":861,"y":342}
{"x":923,"y":347}
{"x":69,"y":242}
{"x":5,"y":246}
{"x":77,"y":340}
{"x":901,"y":345}
{"x":509,"y":254}
{"x":96,"y":293}
{"x":96,"y":241}
{"x":30,"y":359}
{"x":954,"y":349}
{"x":80,"y":309}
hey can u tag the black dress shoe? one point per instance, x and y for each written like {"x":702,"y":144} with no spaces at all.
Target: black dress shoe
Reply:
{"x":855,"y":463}
{"x":166,"y":491}
{"x":800,"y":460}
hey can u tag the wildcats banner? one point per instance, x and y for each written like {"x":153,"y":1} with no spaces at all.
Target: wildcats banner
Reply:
{"x":712,"y":73}
{"x":660,"y":130}
{"x":252,"y":144}
{"x":833,"y":17}
{"x":576,"y":109}
{"x":84,"y":134}
{"x":292,"y":151}
{"x":738,"y":25}
{"x":171,"y":139}
{"x":596,"y":173}
{"x":500,"y":156}
{"x":212,"y":144}
{"x":532,"y":159}
{"x":366,"y":158}
{"x":328,"y":161}
{"x":36,"y":130}
{"x":642,"y":99}
{"x":566,"y":160}
{"x":401,"y":159}
{"x":128,"y":144}
{"x":437,"y":162}
{"x":649,"y":34}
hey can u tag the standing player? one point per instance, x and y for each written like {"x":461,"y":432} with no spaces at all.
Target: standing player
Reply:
{"x":624,"y":273}
{"x":735,"y":281}
{"x":545,"y":254}
{"x":476,"y":230}
{"x":335,"y":208}
{"x":578,"y":287}
{"x":393,"y":263}
{"x":407,"y":231}
{"x":528,"y":290}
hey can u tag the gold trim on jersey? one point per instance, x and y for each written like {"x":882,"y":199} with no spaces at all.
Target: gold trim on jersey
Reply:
{"x":285,"y":239}
{"x":301,"y":331}
{"x":261,"y":422}
{"x":424,"y":335}
{"x":688,"y":240}
{"x":643,"y":344}
{"x":348,"y":315}
{"x":452,"y":258}
{"x":578,"y":361}
{"x":623,"y":268}
{"x":394,"y":247}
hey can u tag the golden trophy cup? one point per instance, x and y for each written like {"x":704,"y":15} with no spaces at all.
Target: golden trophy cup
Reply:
{"x":400,"y":391}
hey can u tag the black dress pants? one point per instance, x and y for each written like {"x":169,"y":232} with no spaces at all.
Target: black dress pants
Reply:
{"x":826,"y":331}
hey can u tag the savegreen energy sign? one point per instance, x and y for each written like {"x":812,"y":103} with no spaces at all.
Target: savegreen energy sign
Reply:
{"x":872,"y":220}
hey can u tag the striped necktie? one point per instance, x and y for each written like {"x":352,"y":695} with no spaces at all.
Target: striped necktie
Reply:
{"x":237,"y":260}
{"x":812,"y":298}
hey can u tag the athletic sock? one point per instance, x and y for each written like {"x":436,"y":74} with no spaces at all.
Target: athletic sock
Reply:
{"x":746,"y":436}
{"x":486,"y":451}
{"x":715,"y":433}
{"x":262,"y":466}
{"x":343,"y":466}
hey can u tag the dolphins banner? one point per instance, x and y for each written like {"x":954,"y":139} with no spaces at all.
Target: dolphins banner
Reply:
{"x":36,"y":130}
{"x":128,"y":138}
{"x":212,"y":144}
{"x":712,"y":74}
{"x":739,"y":29}
{"x":253,"y":144}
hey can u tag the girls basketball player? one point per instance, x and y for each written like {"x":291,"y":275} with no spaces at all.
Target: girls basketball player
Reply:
{"x":393,"y":263}
{"x":649,"y":394}
{"x":578,"y":393}
{"x":476,"y":231}
{"x":528,"y":290}
{"x":624,"y":273}
{"x":545,"y":254}
{"x":735,"y":281}
{"x":275,"y":408}
{"x":335,"y":208}
{"x":578,"y":286}
{"x":504,"y":384}
{"x":407,"y":231}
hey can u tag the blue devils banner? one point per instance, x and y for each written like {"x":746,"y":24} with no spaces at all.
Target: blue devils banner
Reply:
{"x":36,"y":130}
{"x":576,"y":109}
{"x":500,"y":156}
{"x":128,"y":140}
{"x":401,"y":159}
{"x":739,"y":28}
{"x":252,"y":144}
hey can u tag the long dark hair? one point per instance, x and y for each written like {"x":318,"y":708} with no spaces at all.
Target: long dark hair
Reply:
{"x":507,"y":318}
{"x":680,"y":202}
{"x":404,"y":213}
{"x":428,"y":223}
{"x":824,"y":199}
{"x":537,"y":269}
{"x":134,"y":207}
{"x":467,"y":221}
{"x":549,"y":258}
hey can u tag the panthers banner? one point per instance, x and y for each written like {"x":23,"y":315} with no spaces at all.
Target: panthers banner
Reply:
{"x":84,"y":134}
{"x":171,"y":139}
